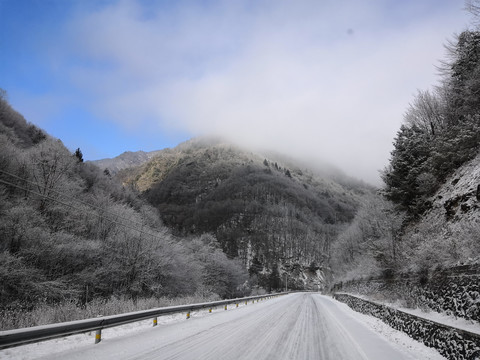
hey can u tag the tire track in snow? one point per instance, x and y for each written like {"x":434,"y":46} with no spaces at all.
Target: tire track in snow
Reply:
{"x":245,"y":336}
{"x":295,"y":326}
{"x":292,"y":328}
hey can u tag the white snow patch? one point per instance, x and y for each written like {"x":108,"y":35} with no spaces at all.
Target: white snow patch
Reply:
{"x":448,"y":320}
{"x":440,"y":318}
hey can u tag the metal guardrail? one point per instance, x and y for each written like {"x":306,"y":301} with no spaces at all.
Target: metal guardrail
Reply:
{"x":17,"y":337}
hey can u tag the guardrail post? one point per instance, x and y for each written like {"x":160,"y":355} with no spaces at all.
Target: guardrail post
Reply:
{"x":98,"y":336}
{"x":154,"y":321}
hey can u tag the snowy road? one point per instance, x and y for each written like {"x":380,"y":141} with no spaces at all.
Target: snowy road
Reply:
{"x":295,"y":326}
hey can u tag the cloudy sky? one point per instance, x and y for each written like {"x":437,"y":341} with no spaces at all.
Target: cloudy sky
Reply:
{"x":323,"y":79}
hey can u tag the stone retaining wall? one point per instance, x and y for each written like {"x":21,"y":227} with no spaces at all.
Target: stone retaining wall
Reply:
{"x":454,"y":291}
{"x":452,"y":343}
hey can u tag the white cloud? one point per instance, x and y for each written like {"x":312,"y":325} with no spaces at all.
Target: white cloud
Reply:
{"x":306,"y":78}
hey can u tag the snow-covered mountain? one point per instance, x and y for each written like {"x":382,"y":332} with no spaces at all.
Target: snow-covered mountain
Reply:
{"x":125,"y":160}
{"x":279,"y":218}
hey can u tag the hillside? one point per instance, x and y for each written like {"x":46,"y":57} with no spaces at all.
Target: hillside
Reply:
{"x":71,"y":235}
{"x":458,"y":199}
{"x":448,"y":233}
{"x":125,"y":160}
{"x":431,"y":218}
{"x":205,"y":218}
{"x":278,"y":219}
{"x":383,"y":241}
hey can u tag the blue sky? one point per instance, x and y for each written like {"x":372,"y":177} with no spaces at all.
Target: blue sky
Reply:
{"x":324,"y":79}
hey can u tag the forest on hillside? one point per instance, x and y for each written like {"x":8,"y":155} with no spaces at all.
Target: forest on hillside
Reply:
{"x":271,"y":215}
{"x":69,"y":232}
{"x":212,"y":222}
{"x":440,"y":133}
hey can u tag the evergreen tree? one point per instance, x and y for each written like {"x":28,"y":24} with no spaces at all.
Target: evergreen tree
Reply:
{"x":78,"y":154}
{"x":442,"y":129}
{"x":256,"y":266}
{"x":463,"y":76}
{"x":274,"y":279}
{"x":410,"y":158}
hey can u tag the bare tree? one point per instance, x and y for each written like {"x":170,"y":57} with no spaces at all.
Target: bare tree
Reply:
{"x":370,"y":242}
{"x":50,"y":167}
{"x":425,"y":112}
{"x":473,"y":7}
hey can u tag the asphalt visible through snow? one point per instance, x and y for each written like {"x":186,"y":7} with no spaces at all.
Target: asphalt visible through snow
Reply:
{"x":295,"y":326}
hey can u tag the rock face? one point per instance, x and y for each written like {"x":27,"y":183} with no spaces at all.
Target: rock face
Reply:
{"x":447,"y":234}
{"x":459,"y":197}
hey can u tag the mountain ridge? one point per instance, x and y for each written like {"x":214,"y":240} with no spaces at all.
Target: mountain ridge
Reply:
{"x":124,"y":160}
{"x":130,"y":159}
{"x":277,"y":218}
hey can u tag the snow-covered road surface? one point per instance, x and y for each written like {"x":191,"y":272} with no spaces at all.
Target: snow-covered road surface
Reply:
{"x":295,"y":326}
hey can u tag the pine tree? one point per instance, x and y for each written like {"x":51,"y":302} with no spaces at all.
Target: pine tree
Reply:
{"x":409,"y":159}
{"x":78,"y":154}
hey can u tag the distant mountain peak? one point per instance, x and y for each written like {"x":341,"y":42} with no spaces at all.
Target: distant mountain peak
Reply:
{"x":125,"y":160}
